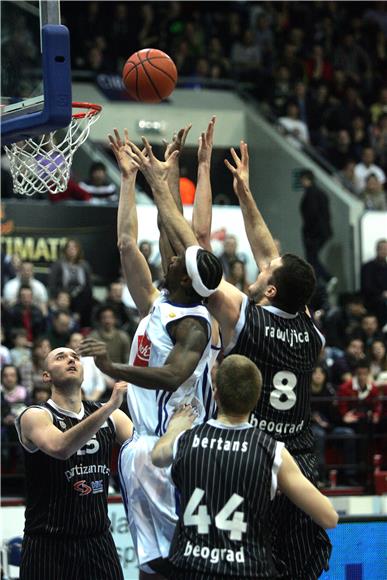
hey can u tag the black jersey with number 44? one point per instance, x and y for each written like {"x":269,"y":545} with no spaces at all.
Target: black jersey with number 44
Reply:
{"x":285,"y":347}
{"x":69,"y":497}
{"x":226,"y":476}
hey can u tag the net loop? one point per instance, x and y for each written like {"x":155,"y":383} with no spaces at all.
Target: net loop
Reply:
{"x":43,"y":163}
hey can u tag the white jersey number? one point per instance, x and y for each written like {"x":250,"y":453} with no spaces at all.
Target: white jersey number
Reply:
{"x":91,"y":447}
{"x":235,"y":525}
{"x":283,"y":396}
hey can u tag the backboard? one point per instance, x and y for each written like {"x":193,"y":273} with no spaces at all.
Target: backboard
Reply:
{"x":35,"y":69}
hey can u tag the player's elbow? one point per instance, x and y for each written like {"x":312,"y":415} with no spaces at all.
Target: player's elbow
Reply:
{"x":126,"y":244}
{"x":158,"y":457}
{"x":329,"y":519}
{"x":61,"y":452}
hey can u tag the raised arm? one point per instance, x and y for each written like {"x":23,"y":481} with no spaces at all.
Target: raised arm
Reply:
{"x":304,"y":494}
{"x":202,"y":210}
{"x":38,"y":430}
{"x":169,"y":247}
{"x":183,"y":419}
{"x":136,"y":271}
{"x":259,"y":236}
{"x":190,"y":337}
{"x":156,"y":173}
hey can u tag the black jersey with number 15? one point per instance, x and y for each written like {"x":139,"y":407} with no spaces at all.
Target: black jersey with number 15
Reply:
{"x":285,"y":347}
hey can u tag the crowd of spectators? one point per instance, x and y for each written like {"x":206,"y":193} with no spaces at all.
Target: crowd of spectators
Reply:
{"x":348,"y":387}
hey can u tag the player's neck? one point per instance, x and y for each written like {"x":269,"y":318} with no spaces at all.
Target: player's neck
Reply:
{"x":227,"y":419}
{"x":71,"y":400}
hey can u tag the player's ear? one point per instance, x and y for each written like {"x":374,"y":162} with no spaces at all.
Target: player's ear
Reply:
{"x":46,"y":377}
{"x":271,"y":291}
{"x":186,"y":281}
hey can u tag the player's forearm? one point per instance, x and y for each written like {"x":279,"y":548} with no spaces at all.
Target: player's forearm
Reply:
{"x":162,"y":453}
{"x":165,"y":378}
{"x":127,"y":224}
{"x":73,"y":439}
{"x":259,"y":236}
{"x":202,"y":210}
{"x":174,"y":185}
{"x":175,"y":224}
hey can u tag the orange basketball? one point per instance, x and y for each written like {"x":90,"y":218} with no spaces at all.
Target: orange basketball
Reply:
{"x":149,"y":75}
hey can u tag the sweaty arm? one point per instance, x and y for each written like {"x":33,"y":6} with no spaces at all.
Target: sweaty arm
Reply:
{"x":136,"y":271}
{"x":190,"y":337}
{"x":37,"y":428}
{"x":123,"y":425}
{"x":304,"y":494}
{"x":259,"y":236}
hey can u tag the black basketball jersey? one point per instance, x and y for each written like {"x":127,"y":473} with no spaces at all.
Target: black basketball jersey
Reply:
{"x":285,"y":348}
{"x":225,"y":479}
{"x":69,"y":497}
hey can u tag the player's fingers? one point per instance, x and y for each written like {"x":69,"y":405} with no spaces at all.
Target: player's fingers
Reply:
{"x":118,"y":138}
{"x":148,"y":147}
{"x":235,"y":156}
{"x":126,"y":133}
{"x":229,"y":166}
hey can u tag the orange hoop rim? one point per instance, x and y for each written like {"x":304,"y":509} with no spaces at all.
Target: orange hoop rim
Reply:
{"x":92,"y":109}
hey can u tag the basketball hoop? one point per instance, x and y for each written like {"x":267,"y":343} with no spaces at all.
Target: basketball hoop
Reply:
{"x":43,"y":163}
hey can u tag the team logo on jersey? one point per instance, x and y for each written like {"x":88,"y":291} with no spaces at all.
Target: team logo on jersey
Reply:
{"x":97,"y":486}
{"x":172,"y":315}
{"x":82,"y":488}
{"x":143,"y":351}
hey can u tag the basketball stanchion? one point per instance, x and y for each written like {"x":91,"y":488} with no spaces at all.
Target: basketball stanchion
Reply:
{"x":43,"y":163}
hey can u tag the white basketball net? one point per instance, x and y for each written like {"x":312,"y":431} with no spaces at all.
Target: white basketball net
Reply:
{"x":43,"y":163}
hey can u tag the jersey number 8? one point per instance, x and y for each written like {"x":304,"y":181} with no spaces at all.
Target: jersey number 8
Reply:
{"x":235,"y":525}
{"x":283,"y":396}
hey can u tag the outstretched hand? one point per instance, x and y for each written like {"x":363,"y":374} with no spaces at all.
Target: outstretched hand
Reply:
{"x":183,"y":418}
{"x":97,"y":349}
{"x":241,"y":170}
{"x":206,"y":140}
{"x":177,"y":143}
{"x":152,"y":168}
{"x":120,"y":148}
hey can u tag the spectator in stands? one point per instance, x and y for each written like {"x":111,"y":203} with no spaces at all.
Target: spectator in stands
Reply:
{"x":21,"y":351}
{"x":379,"y":108}
{"x":73,"y":274}
{"x":341,"y":150}
{"x":5,"y":355}
{"x":359,"y":135}
{"x":323,"y":416}
{"x":237,"y":275}
{"x":25,"y":277}
{"x":295,"y":130}
{"x":149,"y":27}
{"x":374,"y":283}
{"x":378,"y":359}
{"x":117,"y":341}
{"x":279,"y":89}
{"x":230,"y":254}
{"x":73,"y":192}
{"x":353,"y":59}
{"x":124,"y":316}
{"x":379,"y":140}
{"x":318,"y":107}
{"x":40,"y":395}
{"x":32,"y":373}
{"x":343,"y":367}
{"x":94,"y":385}
{"x":246,"y":57}
{"x":339,"y":323}
{"x":373,"y":194}
{"x":62,"y":302}
{"x":368,"y":331}
{"x":24,"y":314}
{"x":7,"y":269}
{"x":367,"y":167}
{"x":15,"y":394}
{"x":316,"y":228}
{"x":60,"y":331}
{"x":146,"y":250}
{"x":365,"y":408}
{"x":98,"y":185}
{"x":292,"y":61}
{"x":317,"y":67}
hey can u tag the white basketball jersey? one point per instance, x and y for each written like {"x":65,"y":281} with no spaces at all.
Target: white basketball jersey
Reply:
{"x":151,"y":409}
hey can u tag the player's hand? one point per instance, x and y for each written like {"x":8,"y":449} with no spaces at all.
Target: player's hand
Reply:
{"x":120,"y":149}
{"x":182,"y":419}
{"x":240,"y":172}
{"x":98,"y":350}
{"x":350,"y":417}
{"x":118,"y":394}
{"x":177,"y":143}
{"x":154,"y":170}
{"x":206,"y":141}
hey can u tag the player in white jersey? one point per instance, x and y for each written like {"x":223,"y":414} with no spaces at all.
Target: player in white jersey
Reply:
{"x":149,"y":498}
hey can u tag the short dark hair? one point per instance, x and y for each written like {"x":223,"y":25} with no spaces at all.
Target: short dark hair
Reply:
{"x":96,"y":166}
{"x":308,"y":174}
{"x":105,"y":308}
{"x":239,"y":384}
{"x":295,"y":282}
{"x":210,"y":269}
{"x":18,"y":374}
{"x":363,"y":363}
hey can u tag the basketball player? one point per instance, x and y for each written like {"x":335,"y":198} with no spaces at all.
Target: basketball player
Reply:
{"x":177,"y":333}
{"x":222,"y":529}
{"x":275,"y":331}
{"x":68,"y":445}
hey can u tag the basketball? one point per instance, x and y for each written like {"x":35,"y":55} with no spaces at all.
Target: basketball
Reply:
{"x":149,"y":75}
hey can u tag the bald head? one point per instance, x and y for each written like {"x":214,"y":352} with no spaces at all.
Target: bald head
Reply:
{"x":239,"y":384}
